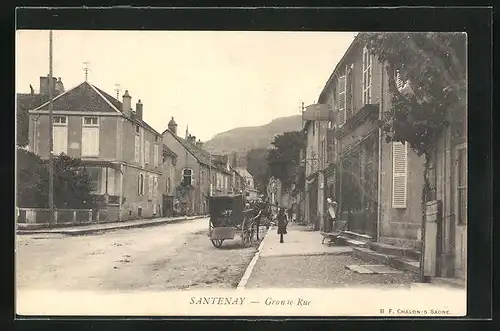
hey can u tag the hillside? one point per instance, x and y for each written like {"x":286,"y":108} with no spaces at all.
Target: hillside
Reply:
{"x":243,"y":139}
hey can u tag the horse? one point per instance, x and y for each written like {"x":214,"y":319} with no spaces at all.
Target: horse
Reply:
{"x":260,"y":211}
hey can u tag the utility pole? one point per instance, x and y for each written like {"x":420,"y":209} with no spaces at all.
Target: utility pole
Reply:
{"x":51,"y":138}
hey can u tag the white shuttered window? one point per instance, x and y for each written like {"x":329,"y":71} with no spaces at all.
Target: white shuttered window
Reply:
{"x":341,"y":105}
{"x":90,"y":136}
{"x":146,"y":152}
{"x":399,"y":174}
{"x":60,"y":135}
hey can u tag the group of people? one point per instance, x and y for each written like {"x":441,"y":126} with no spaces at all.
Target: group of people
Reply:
{"x":274,"y":214}
{"x":283,"y":216}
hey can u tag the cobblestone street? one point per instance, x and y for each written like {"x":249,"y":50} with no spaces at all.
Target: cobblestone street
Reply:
{"x":172,"y":256}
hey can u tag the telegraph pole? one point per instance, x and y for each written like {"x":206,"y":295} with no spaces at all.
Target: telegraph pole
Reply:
{"x":51,"y":138}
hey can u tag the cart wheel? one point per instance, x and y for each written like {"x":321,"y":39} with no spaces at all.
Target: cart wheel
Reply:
{"x":217,"y":242}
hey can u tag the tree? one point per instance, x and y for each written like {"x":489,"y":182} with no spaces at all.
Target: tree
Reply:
{"x":72,"y":183}
{"x":284,"y":157}
{"x":31,"y":175}
{"x":22,"y":127}
{"x":433,"y":67}
{"x":257,"y":166}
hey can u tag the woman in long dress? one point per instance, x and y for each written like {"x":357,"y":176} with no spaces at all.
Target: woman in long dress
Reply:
{"x":282,"y":223}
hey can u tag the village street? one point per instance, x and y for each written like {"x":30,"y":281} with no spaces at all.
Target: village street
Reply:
{"x":171,"y":256}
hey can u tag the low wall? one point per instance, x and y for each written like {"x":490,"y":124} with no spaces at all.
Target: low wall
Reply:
{"x":41,"y":216}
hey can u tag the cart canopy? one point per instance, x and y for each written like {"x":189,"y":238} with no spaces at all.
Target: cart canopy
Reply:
{"x":226,"y":210}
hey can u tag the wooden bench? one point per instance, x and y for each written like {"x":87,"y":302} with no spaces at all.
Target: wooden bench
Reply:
{"x":338,"y":229}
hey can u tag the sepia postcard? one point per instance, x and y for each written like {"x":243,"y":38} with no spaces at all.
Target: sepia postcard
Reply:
{"x":226,"y":173}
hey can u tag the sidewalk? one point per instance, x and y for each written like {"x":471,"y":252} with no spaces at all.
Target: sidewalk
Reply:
{"x":303,"y":262}
{"x":299,"y":241}
{"x":98,"y":227}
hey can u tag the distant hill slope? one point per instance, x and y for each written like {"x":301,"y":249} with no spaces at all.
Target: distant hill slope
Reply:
{"x":243,"y":139}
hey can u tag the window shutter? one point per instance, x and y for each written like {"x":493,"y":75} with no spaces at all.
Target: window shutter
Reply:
{"x":155,"y":156}
{"x":146,"y":152}
{"x":348,"y":96}
{"x":139,"y":184}
{"x":142,"y":146}
{"x":399,"y":174}
{"x":95,"y":141}
{"x":60,"y":139}
{"x":155,"y":186}
{"x":137,"y":148}
{"x":342,"y":100}
{"x":86,"y":142}
{"x":193,"y":182}
{"x":367,"y":75}
{"x":150,"y":187}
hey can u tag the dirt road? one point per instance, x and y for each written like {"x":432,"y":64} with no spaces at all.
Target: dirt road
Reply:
{"x":171,"y":256}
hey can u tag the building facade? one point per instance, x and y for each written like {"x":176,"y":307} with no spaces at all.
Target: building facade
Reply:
{"x":447,"y":180}
{"x":251,"y":193}
{"x":377,"y":185}
{"x":120,"y":150}
{"x":168,"y":181}
{"x":314,"y":160}
{"x":194,"y":179}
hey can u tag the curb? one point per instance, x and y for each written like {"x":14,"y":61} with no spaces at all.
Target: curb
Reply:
{"x":248,"y":271}
{"x":74,"y":232}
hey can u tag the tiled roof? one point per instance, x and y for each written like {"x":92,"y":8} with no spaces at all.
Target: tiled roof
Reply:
{"x":87,"y":97}
{"x":168,"y":151}
{"x":27,"y":101}
{"x":80,"y":98}
{"x":244,"y":172}
{"x":200,"y":154}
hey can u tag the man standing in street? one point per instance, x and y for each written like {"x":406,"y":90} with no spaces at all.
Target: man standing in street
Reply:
{"x":332,"y":206}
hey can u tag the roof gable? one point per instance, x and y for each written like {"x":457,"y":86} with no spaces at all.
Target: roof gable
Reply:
{"x":82,"y":98}
{"x":89,"y":98}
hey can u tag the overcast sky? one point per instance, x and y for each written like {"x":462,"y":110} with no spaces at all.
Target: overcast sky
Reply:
{"x":211,"y":81}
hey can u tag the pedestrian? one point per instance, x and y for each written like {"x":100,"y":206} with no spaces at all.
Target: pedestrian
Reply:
{"x":282,"y":223}
{"x":289,"y":212}
{"x":332,"y":206}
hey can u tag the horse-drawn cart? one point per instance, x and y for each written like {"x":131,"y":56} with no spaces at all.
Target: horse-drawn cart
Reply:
{"x":229,"y":217}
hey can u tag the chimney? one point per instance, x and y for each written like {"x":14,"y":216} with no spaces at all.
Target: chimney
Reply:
{"x":172,"y":126}
{"x":193,"y":140}
{"x":59,"y":86}
{"x":199,"y":144}
{"x":138,"y":109}
{"x":127,"y":103}
{"x":44,"y":85}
